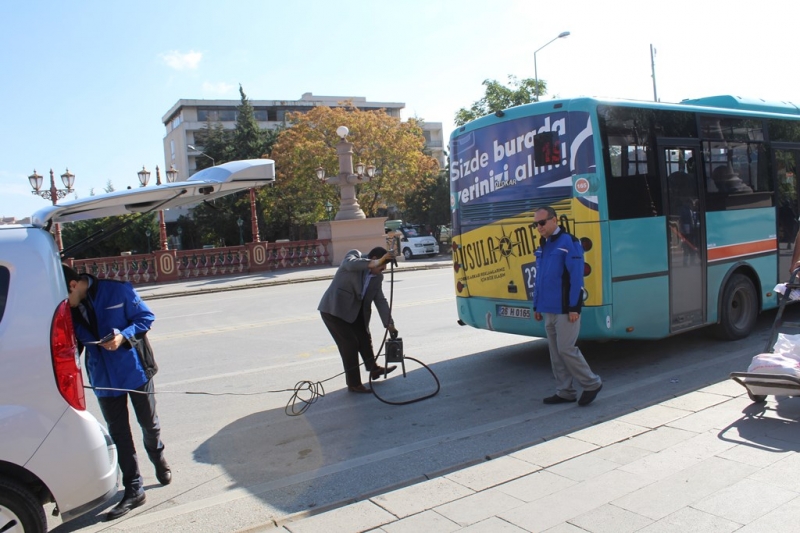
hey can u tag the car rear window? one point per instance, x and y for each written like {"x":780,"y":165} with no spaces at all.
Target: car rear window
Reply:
{"x":5,"y":276}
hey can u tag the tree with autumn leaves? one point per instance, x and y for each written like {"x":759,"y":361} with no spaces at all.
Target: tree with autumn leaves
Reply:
{"x":395,"y":148}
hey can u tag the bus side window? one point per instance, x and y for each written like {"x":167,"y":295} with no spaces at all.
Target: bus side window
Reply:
{"x":633,"y":188}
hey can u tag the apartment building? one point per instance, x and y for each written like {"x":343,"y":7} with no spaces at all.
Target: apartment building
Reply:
{"x":187,"y":117}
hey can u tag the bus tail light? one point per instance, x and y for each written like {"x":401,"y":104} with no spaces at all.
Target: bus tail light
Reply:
{"x":66,"y":362}
{"x":460,"y":286}
{"x":587,"y":269}
{"x":586,"y":243}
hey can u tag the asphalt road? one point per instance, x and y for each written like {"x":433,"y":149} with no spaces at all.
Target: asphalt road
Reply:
{"x":239,"y":460}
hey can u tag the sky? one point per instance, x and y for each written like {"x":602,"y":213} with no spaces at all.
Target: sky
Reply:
{"x":84,"y":84}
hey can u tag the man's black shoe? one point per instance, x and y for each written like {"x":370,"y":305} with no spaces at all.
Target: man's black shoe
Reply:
{"x":589,"y":395}
{"x":555,"y":398}
{"x":163,"y":472}
{"x":129,"y":501}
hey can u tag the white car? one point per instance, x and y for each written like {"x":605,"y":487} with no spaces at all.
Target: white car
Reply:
{"x":51,"y":448}
{"x":412,"y":244}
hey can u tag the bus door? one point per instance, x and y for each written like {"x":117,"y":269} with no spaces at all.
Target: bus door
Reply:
{"x":788,"y":206}
{"x":679,"y":166}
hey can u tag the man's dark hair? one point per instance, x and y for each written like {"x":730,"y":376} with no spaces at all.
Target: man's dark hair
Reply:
{"x":70,"y":274}
{"x":376,"y":253}
{"x":551,"y":213}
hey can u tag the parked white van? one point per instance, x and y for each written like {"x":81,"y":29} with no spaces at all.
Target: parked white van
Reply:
{"x":51,"y":449}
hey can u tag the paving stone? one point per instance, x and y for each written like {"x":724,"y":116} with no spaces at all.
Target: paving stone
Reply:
{"x":425,"y":521}
{"x":662,"y":464}
{"x":718,"y":417}
{"x":565,"y":527}
{"x":745,"y":501}
{"x":726,"y":387}
{"x":583,"y":467}
{"x":535,"y":486}
{"x":492,"y":525}
{"x":478,"y":507}
{"x":422,"y":496}
{"x":695,"y":401}
{"x":491,"y":473}
{"x":688,"y":519}
{"x":784,"y":519}
{"x":559,"y":507}
{"x":660,"y":438}
{"x":360,"y":516}
{"x":610,"y":519}
{"x":654,"y":416}
{"x":621,"y":453}
{"x":608,"y":432}
{"x":554,"y":451}
{"x":684,"y":488}
{"x":703,"y":445}
{"x":761,"y":453}
{"x":784,"y":473}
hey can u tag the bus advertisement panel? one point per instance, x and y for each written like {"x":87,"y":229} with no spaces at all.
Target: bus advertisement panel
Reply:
{"x":500,"y":175}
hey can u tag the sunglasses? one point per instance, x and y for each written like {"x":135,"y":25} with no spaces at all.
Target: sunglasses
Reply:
{"x":543,"y":222}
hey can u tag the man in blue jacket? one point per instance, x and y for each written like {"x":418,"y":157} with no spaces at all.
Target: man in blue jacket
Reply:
{"x":558,"y":297}
{"x":111,"y":322}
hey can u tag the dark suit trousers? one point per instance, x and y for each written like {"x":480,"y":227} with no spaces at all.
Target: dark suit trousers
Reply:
{"x":351,"y":339}
{"x":115,"y":411}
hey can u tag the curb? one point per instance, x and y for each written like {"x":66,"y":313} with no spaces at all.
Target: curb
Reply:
{"x":259,"y":284}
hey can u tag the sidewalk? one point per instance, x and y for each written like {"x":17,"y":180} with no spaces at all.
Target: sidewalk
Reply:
{"x":710,"y":460}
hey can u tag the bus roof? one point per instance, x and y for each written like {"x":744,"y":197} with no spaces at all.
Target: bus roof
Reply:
{"x":734,"y":104}
{"x":745,"y":104}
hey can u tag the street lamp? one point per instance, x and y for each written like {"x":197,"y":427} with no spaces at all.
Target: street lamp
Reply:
{"x":535,"y":70}
{"x":190,"y":147}
{"x":329,"y":209}
{"x":346,"y":179}
{"x":147,"y":233}
{"x":239,"y":223}
{"x":180,"y":241}
{"x":53,"y":193}
{"x":144,"y":179}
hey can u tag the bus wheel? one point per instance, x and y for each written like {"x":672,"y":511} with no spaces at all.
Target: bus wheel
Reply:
{"x":738,"y":309}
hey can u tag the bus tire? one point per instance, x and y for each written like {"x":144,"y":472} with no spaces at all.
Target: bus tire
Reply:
{"x":19,"y":505}
{"x":738,"y":309}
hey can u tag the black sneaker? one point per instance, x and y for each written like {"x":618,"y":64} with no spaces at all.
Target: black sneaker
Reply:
{"x":589,"y":395}
{"x":555,"y":398}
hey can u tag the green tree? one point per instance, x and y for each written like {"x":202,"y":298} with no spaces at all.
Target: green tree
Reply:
{"x":430,"y":205}
{"x":499,"y":97}
{"x":215,"y":223}
{"x":395,"y":148}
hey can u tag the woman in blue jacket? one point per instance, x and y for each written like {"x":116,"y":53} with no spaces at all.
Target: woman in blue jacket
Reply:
{"x":558,"y":297}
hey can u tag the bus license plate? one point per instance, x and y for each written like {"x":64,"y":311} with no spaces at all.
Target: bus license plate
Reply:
{"x":513,"y":312}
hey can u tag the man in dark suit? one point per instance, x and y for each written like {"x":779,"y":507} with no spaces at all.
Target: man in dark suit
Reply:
{"x":346,"y":308}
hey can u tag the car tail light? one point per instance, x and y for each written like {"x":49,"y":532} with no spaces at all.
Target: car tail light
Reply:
{"x":66,"y":362}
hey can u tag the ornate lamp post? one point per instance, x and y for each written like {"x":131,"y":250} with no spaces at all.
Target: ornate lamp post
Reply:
{"x":144,"y":178}
{"x":240,"y":222}
{"x":329,"y":209}
{"x":535,"y":70}
{"x":346,"y":179}
{"x":53,"y":194}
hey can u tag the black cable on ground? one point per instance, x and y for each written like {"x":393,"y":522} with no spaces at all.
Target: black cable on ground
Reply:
{"x":305,"y":392}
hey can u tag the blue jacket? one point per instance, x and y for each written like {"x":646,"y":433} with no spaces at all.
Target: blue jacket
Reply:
{"x":559,"y":275}
{"x":115,"y":305}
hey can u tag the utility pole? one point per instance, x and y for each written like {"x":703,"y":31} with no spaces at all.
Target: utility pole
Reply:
{"x":653,"y":67}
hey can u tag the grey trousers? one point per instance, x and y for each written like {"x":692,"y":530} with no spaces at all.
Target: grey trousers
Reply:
{"x":566,"y":358}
